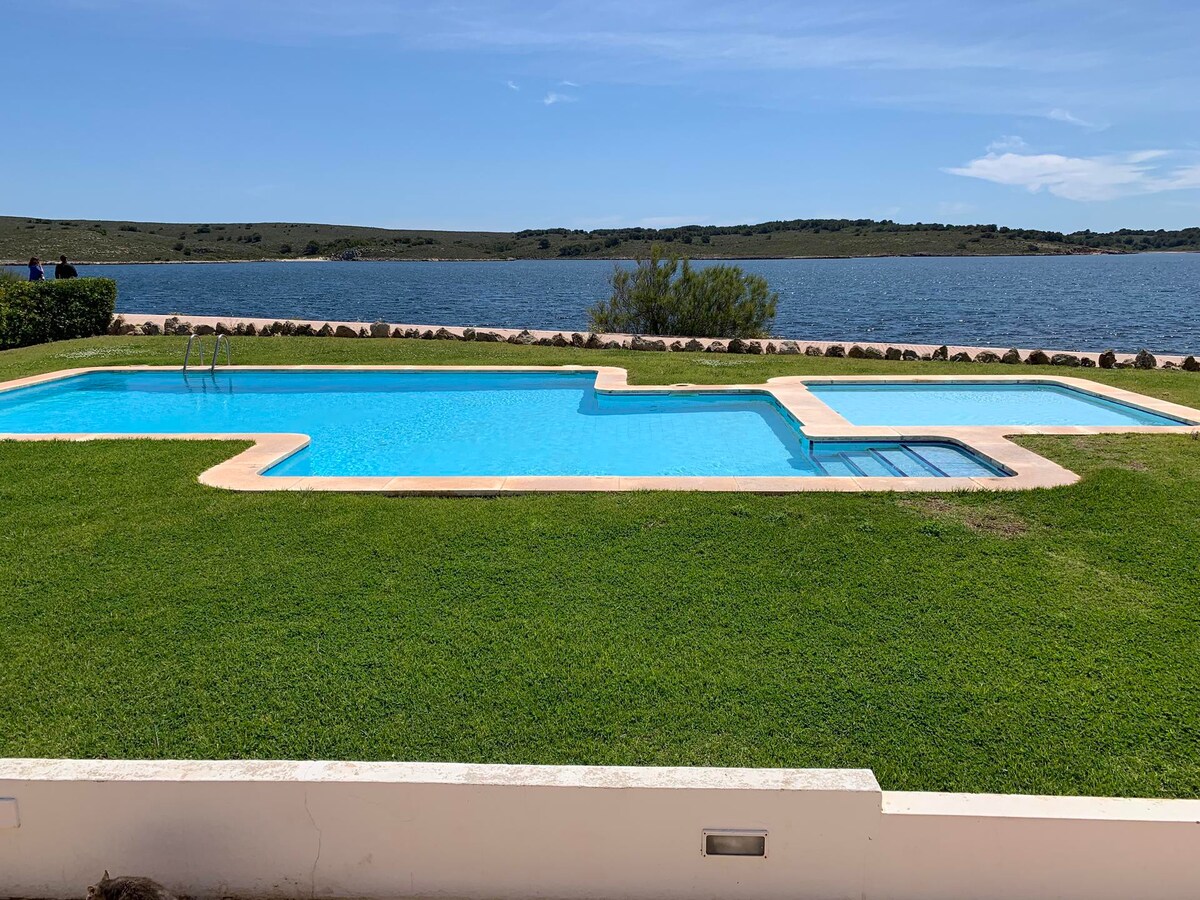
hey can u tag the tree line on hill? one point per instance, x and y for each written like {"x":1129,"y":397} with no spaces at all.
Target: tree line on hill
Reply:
{"x":1122,"y":239}
{"x":103,"y":241}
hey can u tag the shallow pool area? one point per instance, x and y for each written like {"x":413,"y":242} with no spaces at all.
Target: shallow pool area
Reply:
{"x":979,"y":404}
{"x":472,"y":423}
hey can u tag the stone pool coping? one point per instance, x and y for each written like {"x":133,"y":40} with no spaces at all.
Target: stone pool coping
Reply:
{"x":244,"y":472}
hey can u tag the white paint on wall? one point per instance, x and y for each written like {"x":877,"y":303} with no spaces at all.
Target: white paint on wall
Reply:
{"x":374,"y":830}
{"x":958,"y":846}
{"x":276,"y":829}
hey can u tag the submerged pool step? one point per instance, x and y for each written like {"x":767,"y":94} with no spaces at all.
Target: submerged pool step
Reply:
{"x":903,"y":460}
{"x":909,"y":462}
{"x":854,"y":463}
{"x":950,"y":461}
{"x":835,"y":465}
{"x":868,"y":463}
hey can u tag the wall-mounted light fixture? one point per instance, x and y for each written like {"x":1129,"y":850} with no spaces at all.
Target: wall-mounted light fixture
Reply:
{"x":733,"y":842}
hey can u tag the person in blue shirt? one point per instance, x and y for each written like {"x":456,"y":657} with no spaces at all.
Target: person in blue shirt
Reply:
{"x":36,"y":272}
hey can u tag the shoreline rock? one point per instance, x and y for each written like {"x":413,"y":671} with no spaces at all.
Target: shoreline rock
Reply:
{"x":175,"y":325}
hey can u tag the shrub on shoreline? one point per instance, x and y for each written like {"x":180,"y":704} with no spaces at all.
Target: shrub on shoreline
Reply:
{"x":37,"y":312}
{"x":664,"y":295}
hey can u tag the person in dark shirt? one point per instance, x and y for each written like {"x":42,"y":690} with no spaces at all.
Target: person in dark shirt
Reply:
{"x":64,"y":269}
{"x":36,"y":272}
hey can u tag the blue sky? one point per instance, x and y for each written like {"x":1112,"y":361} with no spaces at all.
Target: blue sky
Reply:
{"x":493,"y":114}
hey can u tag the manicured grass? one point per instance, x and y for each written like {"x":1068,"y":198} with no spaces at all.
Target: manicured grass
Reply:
{"x":1036,"y":642}
{"x":644,"y":367}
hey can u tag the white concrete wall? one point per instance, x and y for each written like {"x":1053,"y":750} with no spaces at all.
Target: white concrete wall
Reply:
{"x":375,"y":830}
{"x":964,"y":846}
{"x":391,"y":830}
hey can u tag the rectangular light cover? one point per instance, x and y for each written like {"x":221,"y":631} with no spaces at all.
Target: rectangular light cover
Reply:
{"x":734,"y":842}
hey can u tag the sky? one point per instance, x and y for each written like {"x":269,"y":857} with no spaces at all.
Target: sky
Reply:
{"x":502,"y":115}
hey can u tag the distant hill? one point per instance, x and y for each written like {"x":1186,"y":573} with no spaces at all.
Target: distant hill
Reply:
{"x":103,"y":241}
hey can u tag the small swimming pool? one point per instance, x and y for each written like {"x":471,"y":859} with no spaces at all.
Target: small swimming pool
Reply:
{"x":447,"y":423}
{"x":978,"y":403}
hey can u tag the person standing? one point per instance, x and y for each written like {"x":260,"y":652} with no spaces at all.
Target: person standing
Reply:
{"x":64,"y":269}
{"x":36,"y":272}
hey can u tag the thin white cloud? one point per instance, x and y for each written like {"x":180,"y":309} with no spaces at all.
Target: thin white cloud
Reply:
{"x":570,"y":84}
{"x":954,"y":208}
{"x":1084,"y":178}
{"x":1128,"y":58}
{"x":1007,"y":142}
{"x":554,"y":97}
{"x":766,"y":36}
{"x":1066,"y":116}
{"x":766,"y":51}
{"x":512,"y":85}
{"x":671,"y":221}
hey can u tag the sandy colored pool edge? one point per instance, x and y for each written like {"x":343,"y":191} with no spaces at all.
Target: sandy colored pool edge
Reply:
{"x":244,"y":471}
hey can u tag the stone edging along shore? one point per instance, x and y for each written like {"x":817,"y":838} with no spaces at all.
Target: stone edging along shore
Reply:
{"x":138,"y":323}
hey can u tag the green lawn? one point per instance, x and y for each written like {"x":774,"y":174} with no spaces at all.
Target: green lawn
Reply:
{"x":1041,"y":641}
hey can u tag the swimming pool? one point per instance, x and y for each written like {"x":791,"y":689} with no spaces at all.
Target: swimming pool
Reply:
{"x":460,"y":423}
{"x":979,"y":403}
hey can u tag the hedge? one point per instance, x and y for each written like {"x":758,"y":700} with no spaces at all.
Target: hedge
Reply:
{"x":36,"y":312}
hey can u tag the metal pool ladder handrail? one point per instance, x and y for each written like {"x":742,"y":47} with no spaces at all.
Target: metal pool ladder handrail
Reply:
{"x":221,"y":340}
{"x":187,"y":354}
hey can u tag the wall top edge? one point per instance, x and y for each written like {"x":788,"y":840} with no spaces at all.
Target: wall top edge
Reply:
{"x":1027,"y":806}
{"x":860,"y":780}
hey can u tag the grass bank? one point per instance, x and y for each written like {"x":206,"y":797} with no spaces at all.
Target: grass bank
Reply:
{"x":122,"y":241}
{"x":1035,"y":642}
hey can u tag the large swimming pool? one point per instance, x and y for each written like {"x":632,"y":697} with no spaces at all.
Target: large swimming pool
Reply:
{"x":976,"y":403}
{"x":446,"y":423}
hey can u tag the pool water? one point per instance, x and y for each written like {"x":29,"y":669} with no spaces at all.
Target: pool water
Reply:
{"x":470,"y":423}
{"x":966,"y":403}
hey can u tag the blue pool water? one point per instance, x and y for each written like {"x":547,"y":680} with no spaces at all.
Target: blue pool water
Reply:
{"x":458,"y":423}
{"x":915,"y":403}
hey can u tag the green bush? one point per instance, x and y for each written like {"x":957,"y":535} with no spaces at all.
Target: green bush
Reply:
{"x":36,"y":312}
{"x":664,"y":295}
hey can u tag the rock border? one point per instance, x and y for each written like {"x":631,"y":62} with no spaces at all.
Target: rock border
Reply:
{"x":1109,"y":359}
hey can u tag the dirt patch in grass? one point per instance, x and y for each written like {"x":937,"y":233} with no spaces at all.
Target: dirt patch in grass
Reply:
{"x":1111,"y":453}
{"x":984,"y":519}
{"x":723,"y":363}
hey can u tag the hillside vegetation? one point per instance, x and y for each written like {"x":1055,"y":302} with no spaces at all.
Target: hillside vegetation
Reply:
{"x":113,"y":241}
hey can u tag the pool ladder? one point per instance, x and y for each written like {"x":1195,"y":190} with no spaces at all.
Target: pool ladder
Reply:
{"x":195,"y":341}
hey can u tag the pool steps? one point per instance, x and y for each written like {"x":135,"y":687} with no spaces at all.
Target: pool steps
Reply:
{"x":900,"y":462}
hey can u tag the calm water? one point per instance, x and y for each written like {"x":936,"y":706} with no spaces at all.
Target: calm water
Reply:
{"x":467,"y":423}
{"x":916,"y":403}
{"x":1082,"y":302}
